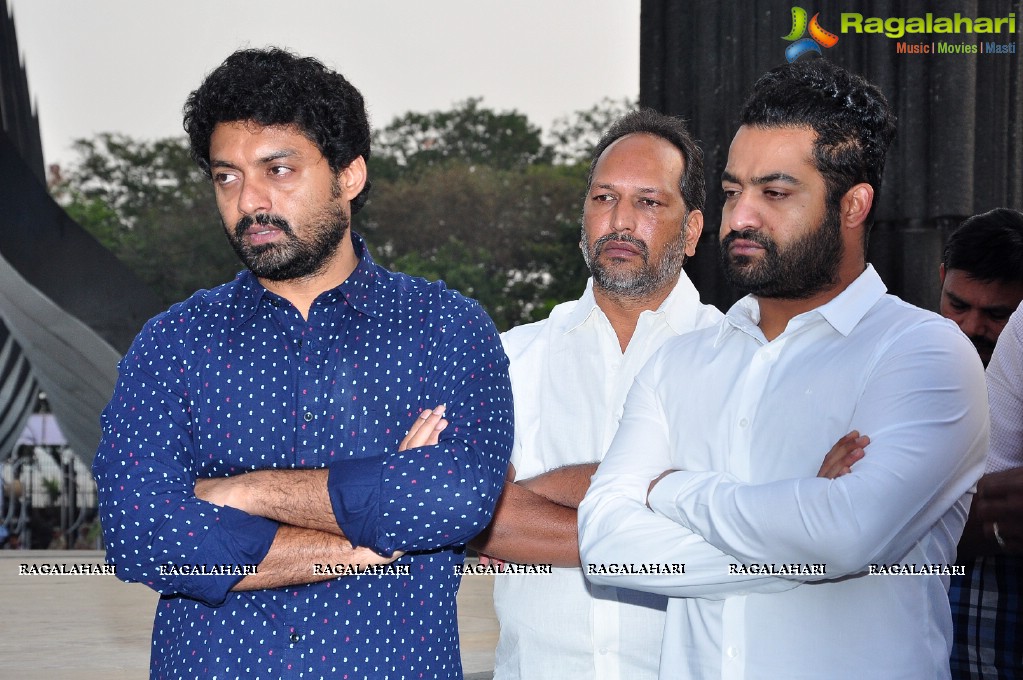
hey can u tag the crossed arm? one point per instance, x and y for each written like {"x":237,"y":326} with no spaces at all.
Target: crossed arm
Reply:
{"x":308,"y":532}
{"x":536,"y":520}
{"x":926,"y":412}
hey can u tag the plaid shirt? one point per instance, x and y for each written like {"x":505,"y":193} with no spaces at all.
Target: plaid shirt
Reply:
{"x":987,"y":608}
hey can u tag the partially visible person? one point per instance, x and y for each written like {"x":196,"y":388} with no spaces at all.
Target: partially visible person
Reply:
{"x":987,"y":603}
{"x":981,"y":276}
{"x":253,"y":465}
{"x":713,"y":462}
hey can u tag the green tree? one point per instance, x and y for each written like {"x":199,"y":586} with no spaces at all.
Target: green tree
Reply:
{"x":573,"y":137}
{"x":508,"y":238}
{"x":153,"y":208}
{"x":468,"y":133}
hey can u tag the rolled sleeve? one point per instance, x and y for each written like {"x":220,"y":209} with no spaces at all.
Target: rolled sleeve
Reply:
{"x":443,"y":495}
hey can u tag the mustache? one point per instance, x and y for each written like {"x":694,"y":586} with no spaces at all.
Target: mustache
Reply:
{"x":747,"y":235}
{"x":620,"y":238}
{"x":263,"y":219}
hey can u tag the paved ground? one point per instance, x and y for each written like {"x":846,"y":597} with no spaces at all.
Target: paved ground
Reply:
{"x":97,"y":628}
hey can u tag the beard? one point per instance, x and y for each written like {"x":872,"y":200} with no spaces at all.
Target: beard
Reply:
{"x":290,"y":257}
{"x":797,"y":271}
{"x":620,"y":281}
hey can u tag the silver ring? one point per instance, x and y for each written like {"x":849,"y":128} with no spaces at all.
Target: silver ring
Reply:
{"x":998,"y":536}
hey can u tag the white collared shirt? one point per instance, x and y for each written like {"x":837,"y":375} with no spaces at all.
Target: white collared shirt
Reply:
{"x":748,"y":423}
{"x":569,"y":378}
{"x":1005,"y":391}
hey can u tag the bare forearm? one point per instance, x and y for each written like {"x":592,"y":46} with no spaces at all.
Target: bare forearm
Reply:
{"x":295,"y":497}
{"x":298,"y":555}
{"x":530,"y":529}
{"x":565,"y":485}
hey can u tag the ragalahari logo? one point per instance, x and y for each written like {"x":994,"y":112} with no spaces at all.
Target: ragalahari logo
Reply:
{"x":819,"y":37}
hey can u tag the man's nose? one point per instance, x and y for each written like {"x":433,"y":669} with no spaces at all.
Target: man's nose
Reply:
{"x":254,"y":197}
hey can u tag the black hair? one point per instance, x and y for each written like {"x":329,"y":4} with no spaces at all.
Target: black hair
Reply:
{"x":275,"y":87}
{"x":852,"y":121}
{"x":988,"y":247}
{"x":670,"y":129}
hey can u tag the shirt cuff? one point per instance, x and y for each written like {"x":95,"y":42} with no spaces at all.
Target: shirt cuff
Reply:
{"x":354,"y":488}
{"x":662,"y":499}
{"x":237,"y":540}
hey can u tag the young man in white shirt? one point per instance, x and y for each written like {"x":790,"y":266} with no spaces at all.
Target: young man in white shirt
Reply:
{"x":712,"y":463}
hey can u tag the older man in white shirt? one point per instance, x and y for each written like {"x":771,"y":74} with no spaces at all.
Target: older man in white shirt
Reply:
{"x":570,"y":374}
{"x":712,"y":463}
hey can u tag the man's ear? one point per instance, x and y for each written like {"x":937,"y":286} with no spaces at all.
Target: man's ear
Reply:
{"x":855,"y":205}
{"x":352,"y":179}
{"x":693,"y":227}
{"x":941,"y":274}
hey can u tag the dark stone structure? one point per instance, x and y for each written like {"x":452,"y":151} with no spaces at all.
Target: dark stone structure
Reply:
{"x":68,"y":307}
{"x":959,"y":149}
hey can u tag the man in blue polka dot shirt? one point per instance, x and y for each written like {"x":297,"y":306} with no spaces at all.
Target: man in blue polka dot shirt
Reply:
{"x":257,"y":467}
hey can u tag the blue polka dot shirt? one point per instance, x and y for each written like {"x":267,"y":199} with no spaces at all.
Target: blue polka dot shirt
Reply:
{"x":234,"y":380}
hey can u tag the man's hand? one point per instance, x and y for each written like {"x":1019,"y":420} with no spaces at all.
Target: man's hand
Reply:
{"x":222,"y":491}
{"x":998,"y":504}
{"x":426,"y":429}
{"x":840,"y":459}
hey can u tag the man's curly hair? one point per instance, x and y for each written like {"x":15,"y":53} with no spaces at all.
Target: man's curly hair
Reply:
{"x":853,"y":122}
{"x":275,"y":87}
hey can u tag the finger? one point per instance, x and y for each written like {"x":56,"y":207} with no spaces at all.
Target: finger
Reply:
{"x":430,"y":429}
{"x":426,"y":432}
{"x":846,"y":452}
{"x":416,"y":424}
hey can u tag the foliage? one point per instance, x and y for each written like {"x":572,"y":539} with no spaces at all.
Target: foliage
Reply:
{"x":468,"y":133}
{"x":471,"y":195}
{"x":508,"y":238}
{"x":149,"y":204}
{"x":573,"y":137}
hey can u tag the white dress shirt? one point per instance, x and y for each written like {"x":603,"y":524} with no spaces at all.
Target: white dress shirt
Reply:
{"x":748,"y":422}
{"x":1005,"y":390}
{"x":569,"y":378}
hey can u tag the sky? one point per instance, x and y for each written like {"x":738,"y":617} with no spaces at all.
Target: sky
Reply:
{"x":127,"y":65}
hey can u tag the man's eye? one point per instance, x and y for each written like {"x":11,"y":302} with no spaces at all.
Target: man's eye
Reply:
{"x":603,"y":198}
{"x":223,"y":178}
{"x":650,"y":203}
{"x":730,"y":193}
{"x":279,"y":170}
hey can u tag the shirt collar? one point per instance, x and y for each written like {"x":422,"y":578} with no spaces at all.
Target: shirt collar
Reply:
{"x":680,"y":307}
{"x":843,"y":312}
{"x":360,"y":289}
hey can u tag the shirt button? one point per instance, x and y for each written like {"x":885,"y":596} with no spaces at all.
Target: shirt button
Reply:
{"x":603,"y":650}
{"x":295,"y":637}
{"x":308,"y":416}
{"x":732,"y":652}
{"x":744,"y":422}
